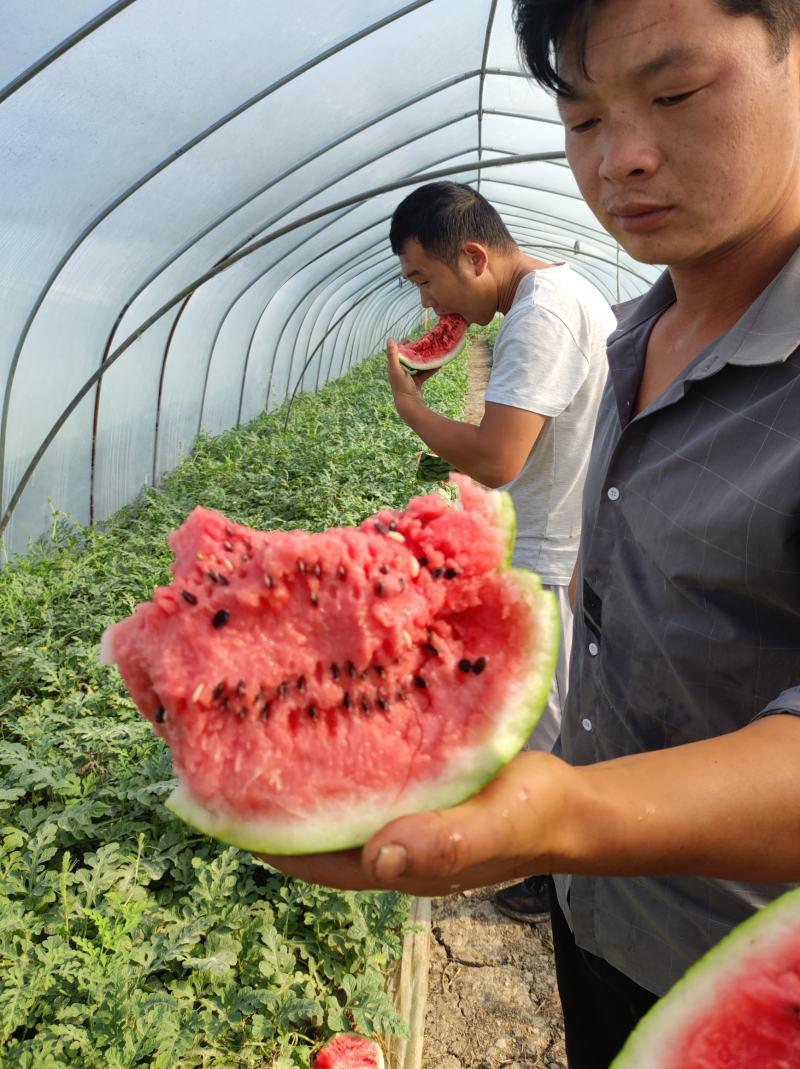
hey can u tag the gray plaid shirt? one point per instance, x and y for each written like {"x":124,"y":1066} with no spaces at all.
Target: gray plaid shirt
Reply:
{"x":687,"y":622}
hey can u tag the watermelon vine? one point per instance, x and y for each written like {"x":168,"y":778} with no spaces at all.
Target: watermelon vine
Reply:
{"x":125,"y":940}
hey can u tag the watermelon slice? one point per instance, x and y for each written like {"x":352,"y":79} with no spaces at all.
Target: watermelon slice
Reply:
{"x":349,"y":1051}
{"x":432,"y":350}
{"x":313,"y":687}
{"x":737,"y":1008}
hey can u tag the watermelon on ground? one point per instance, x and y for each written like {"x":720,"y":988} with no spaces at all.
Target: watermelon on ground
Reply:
{"x":349,"y":1051}
{"x":736,"y":1008}
{"x":313,"y":687}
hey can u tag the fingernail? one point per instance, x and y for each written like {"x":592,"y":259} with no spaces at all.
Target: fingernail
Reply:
{"x":391,"y":862}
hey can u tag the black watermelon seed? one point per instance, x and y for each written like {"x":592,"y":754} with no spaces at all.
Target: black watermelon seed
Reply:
{"x":365,"y":705}
{"x":479,"y":666}
{"x":268,"y":581}
{"x":351,"y":669}
{"x":384,"y":569}
{"x":341,"y":572}
{"x":381,"y":527}
{"x":301,"y":684}
{"x":379,"y":589}
{"x":161,"y":714}
{"x":335,"y":672}
{"x":437,"y":573}
{"x":422,"y":561}
{"x":401,"y":582}
{"x":228,"y":546}
{"x":224,"y":703}
{"x":245,"y":557}
{"x":450,"y":573}
{"x":312,"y":712}
{"x":281,"y":690}
{"x":241,"y":687}
{"x":301,"y":567}
{"x":380,"y":670}
{"x":383,"y":705}
{"x":393,"y":525}
{"x":346,"y":701}
{"x":220,"y":618}
{"x":187,"y":596}
{"x":265,"y":712}
{"x":431,"y":649}
{"x":213,"y":577}
{"x":223,"y":581}
{"x":218,"y":691}
{"x":317,"y":570}
{"x":465,"y":665}
{"x":420,"y":682}
{"x":315,"y":600}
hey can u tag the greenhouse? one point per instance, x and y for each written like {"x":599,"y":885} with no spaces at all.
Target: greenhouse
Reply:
{"x":198,"y":286}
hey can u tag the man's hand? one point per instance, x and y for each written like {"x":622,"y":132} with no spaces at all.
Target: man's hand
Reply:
{"x":501,"y":833}
{"x":406,"y":388}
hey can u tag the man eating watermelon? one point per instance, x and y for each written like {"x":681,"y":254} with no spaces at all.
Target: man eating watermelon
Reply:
{"x":547,"y":376}
{"x":672,"y":803}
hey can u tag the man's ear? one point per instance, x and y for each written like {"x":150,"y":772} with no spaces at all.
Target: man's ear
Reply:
{"x":477,"y":257}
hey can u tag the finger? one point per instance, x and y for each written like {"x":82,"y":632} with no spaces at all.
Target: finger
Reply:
{"x":343,"y":869}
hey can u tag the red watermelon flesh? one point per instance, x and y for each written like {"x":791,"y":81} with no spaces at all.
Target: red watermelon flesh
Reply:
{"x":737,"y":1008}
{"x":313,"y":686}
{"x":349,"y":1051}
{"x":442,"y":343}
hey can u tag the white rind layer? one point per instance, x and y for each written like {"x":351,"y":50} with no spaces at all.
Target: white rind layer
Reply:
{"x":696,"y":995}
{"x":408,"y":361}
{"x":341,"y":827}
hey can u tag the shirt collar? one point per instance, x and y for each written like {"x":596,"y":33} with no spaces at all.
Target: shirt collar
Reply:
{"x":767,"y":333}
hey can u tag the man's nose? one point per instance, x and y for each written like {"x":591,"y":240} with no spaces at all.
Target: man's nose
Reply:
{"x":629,"y":151}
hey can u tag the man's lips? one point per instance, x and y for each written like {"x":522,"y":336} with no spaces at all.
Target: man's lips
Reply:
{"x":639,"y":217}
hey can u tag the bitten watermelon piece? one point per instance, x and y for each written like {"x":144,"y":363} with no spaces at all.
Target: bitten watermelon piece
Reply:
{"x":349,"y":1051}
{"x":313,"y":687}
{"x":434,"y":349}
{"x":737,"y":1008}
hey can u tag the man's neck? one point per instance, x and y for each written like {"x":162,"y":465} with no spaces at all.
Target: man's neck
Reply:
{"x":513,"y":270}
{"x":718,"y":292}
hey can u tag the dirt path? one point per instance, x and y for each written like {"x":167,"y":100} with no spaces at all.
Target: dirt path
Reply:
{"x":492,"y":998}
{"x":478,"y":362}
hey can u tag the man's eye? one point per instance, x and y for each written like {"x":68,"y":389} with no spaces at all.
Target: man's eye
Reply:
{"x":582,"y":127}
{"x":671,"y":101}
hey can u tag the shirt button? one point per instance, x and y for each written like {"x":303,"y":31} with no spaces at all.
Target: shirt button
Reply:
{"x":586,"y":724}
{"x":613,"y":494}
{"x":593,"y":649}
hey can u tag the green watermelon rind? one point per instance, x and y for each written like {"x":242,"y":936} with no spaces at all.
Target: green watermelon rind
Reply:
{"x":348,"y":826}
{"x":652,"y":1043}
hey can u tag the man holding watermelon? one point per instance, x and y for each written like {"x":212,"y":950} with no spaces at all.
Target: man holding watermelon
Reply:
{"x":547,"y":376}
{"x":675,"y":802}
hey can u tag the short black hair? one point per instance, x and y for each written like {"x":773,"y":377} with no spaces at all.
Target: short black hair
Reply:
{"x":443,"y":217}
{"x":542,"y":27}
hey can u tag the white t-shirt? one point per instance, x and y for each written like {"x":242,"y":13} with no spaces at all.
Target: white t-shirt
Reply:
{"x":550,"y":358}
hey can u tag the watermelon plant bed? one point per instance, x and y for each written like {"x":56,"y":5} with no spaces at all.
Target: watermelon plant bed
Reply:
{"x":126,"y":939}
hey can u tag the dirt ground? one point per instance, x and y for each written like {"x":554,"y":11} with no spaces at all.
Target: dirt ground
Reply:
{"x":492,"y":998}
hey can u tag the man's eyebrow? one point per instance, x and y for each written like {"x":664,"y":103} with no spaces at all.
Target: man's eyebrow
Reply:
{"x":677,"y":56}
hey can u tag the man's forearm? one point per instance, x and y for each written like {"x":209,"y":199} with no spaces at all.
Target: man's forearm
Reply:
{"x":727,"y":808}
{"x":458,"y":443}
